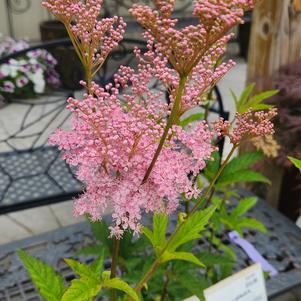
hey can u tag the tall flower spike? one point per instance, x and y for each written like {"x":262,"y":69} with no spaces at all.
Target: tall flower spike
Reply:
{"x":185,"y":47}
{"x":112,"y":144}
{"x":119,"y":141}
{"x":92,"y":38}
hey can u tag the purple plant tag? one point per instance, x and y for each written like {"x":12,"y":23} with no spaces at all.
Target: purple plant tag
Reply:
{"x":253,"y":254}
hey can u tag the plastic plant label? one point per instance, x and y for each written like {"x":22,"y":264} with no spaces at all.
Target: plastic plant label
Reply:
{"x":246,"y":285}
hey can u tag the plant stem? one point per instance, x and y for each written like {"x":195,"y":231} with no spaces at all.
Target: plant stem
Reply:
{"x":116,"y":245}
{"x":89,"y":78}
{"x":211,"y":186}
{"x":164,"y":291}
{"x":157,"y":262}
{"x":171,"y":121}
{"x":187,"y":205}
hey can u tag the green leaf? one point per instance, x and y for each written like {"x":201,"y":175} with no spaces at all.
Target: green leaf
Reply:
{"x":296,"y":162}
{"x":149,"y":234}
{"x":242,"y":176}
{"x":121,"y":285}
{"x":244,"y":206}
{"x":81,"y":269}
{"x":255,"y":102}
{"x":260,"y":107}
{"x":191,"y":118}
{"x":191,"y":228}
{"x":243,"y":161}
{"x":195,"y":284}
{"x":82,"y":289}
{"x":160,"y":222}
{"x":235,"y":98}
{"x":252,"y":223}
{"x":211,"y":259}
{"x":106,"y":275}
{"x":262,"y":96}
{"x":157,"y":236}
{"x":241,"y":105}
{"x":48,"y":282}
{"x":97,"y":265}
{"x":185,"y":256}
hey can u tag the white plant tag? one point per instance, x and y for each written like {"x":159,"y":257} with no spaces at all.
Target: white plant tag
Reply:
{"x":246,"y":285}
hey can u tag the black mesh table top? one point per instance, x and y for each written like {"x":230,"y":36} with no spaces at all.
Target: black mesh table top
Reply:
{"x":27,"y":178}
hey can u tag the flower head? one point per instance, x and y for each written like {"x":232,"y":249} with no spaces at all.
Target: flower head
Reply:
{"x":112,"y":143}
{"x":94,"y":39}
{"x":248,"y":125}
{"x":186,"y":47}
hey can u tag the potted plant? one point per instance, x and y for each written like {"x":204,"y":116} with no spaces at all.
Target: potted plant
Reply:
{"x":142,"y":157}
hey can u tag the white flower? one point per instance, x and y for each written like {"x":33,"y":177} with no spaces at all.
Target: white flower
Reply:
{"x":38,"y":80}
{"x":5,"y":69}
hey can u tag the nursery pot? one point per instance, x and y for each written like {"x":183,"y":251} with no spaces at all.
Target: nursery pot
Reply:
{"x":69,"y":66}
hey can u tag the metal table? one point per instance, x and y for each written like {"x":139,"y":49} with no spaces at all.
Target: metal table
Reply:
{"x":281,"y":246}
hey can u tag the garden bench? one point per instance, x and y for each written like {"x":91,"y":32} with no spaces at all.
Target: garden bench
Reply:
{"x":281,"y":246}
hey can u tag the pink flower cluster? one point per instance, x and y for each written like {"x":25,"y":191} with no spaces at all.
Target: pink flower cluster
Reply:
{"x":248,"y":125}
{"x":187,"y":47}
{"x":117,"y":128}
{"x":113,"y":142}
{"x":94,"y":38}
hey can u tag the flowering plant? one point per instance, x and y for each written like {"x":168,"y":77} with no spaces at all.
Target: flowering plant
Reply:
{"x":138,"y":155}
{"x":27,"y":75}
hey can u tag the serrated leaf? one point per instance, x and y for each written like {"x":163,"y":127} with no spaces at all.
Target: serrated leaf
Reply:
{"x":48,"y":282}
{"x":242,"y":176}
{"x":149,"y":234}
{"x":243,"y":207}
{"x":211,"y":259}
{"x":157,"y":236}
{"x":235,"y":98}
{"x":226,"y":271}
{"x":97,"y":265}
{"x":256,"y":99}
{"x":241,"y":105}
{"x":296,"y":162}
{"x":160,"y":222}
{"x":185,"y":256}
{"x":252,"y":223}
{"x":121,"y":285}
{"x":228,"y":251}
{"x":191,"y":228}
{"x":243,"y":161}
{"x":81,"y":269}
{"x":260,"y":107}
{"x":106,"y":275}
{"x":255,"y":102}
{"x":195,"y":284}
{"x":82,"y":289}
{"x":191,"y":118}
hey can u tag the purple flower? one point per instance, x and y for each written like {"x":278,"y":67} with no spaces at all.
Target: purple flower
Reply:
{"x":22,"y":81}
{"x":8,"y":87}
